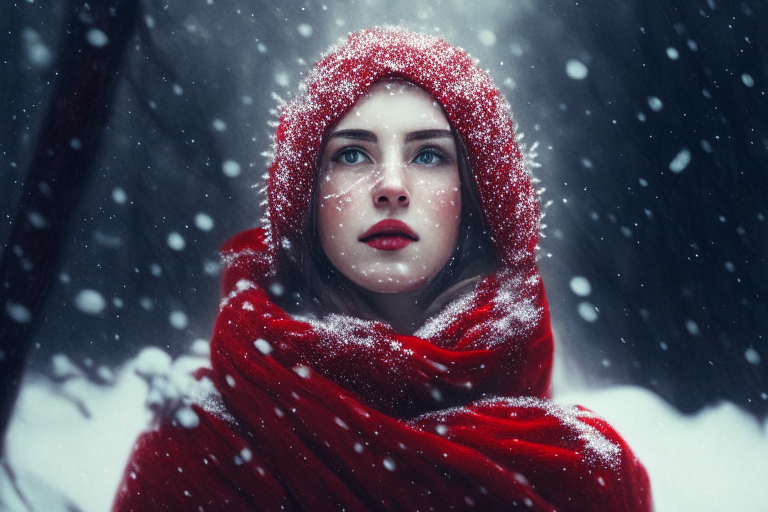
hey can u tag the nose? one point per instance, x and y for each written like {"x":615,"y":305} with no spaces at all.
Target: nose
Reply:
{"x":391,"y":190}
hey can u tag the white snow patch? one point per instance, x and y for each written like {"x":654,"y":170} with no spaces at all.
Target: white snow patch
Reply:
{"x":752,"y":356}
{"x":203,"y":221}
{"x":681,"y":161}
{"x":487,"y":37}
{"x":588,"y":312}
{"x":37,"y":52}
{"x":97,"y":38}
{"x":576,"y":69}
{"x":176,"y":241}
{"x":230,"y":168}
{"x":18,"y":312}
{"x":581,"y":286}
{"x":178,"y":319}
{"x":263,"y":346}
{"x":304,"y":30}
{"x":655,"y":103}
{"x":119,"y":196}
{"x":672,"y":53}
{"x":90,"y":302}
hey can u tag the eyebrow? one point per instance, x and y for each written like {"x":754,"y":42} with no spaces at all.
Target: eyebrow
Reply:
{"x":355,"y":134}
{"x":428,"y":134}
{"x":371,"y":137}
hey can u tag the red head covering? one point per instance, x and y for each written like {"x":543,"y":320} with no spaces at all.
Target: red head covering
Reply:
{"x":472,"y":103}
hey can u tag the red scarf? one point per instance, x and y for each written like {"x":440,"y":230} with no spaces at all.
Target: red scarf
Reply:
{"x":346,"y":414}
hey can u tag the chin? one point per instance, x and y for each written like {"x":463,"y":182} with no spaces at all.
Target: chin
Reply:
{"x":398,"y":284}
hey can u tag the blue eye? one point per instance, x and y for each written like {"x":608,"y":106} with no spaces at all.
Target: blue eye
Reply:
{"x":429,"y":157}
{"x":350,"y":156}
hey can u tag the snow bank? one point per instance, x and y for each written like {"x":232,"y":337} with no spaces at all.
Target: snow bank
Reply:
{"x":68,"y":443}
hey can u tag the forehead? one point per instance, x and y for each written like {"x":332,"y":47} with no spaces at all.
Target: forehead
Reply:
{"x":395,"y":105}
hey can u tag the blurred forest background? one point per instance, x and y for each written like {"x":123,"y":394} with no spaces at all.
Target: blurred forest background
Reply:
{"x":651,"y":119}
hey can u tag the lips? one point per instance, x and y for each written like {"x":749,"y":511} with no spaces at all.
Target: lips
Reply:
{"x":389,"y":235}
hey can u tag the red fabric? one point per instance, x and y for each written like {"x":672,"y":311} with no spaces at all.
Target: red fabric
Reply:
{"x":346,"y":414}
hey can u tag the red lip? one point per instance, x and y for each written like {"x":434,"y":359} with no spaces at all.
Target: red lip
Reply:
{"x":389,"y":235}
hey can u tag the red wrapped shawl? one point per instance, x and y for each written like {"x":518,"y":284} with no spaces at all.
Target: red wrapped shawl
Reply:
{"x":345,"y":414}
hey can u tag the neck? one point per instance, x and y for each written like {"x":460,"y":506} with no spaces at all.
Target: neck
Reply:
{"x":403,"y":311}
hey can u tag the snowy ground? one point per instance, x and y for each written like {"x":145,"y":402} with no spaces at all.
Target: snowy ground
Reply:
{"x":68,"y":443}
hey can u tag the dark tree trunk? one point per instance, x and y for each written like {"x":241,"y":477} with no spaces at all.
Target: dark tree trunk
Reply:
{"x":91,"y":56}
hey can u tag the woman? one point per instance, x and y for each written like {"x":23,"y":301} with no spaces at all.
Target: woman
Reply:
{"x":384,"y":341}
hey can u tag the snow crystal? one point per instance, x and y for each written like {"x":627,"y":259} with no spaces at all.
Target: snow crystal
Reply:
{"x":76,"y":144}
{"x":487,"y":37}
{"x":304,"y":30}
{"x":706,"y":146}
{"x":90,"y":302}
{"x":277,"y":289}
{"x":302,"y":371}
{"x":748,"y":80}
{"x":643,"y":182}
{"x":230,"y":168}
{"x":587,"y":312}
{"x":672,"y":53}
{"x":203,"y":221}
{"x":97,"y":38}
{"x":246,"y":100}
{"x":261,"y":47}
{"x":341,"y":423}
{"x":178,"y":319}
{"x":441,"y":429}
{"x":117,"y":302}
{"x":681,"y":161}
{"x":176,"y":241}
{"x":230,"y":380}
{"x":752,"y":356}
{"x":641,"y":117}
{"x":281,"y":78}
{"x":692,"y":45}
{"x":389,"y":463}
{"x":37,"y":53}
{"x":576,"y":69}
{"x":119,"y":196}
{"x":149,"y":21}
{"x":730,"y":267}
{"x":358,"y":448}
{"x":587,"y":163}
{"x":655,"y":103}
{"x":263,"y":346}
{"x":581,"y":286}
{"x":156,"y":270}
{"x":37,"y":220}
{"x":219,"y":125}
{"x":517,"y":50}
{"x":692,"y":327}
{"x":177,"y":90}
{"x":146,"y":303}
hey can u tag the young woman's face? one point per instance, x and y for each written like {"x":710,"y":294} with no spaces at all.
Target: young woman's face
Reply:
{"x":389,"y":198}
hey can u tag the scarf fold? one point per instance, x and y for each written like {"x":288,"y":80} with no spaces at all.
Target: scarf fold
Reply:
{"x":346,"y":414}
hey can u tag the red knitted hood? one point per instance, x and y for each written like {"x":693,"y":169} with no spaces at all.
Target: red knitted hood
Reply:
{"x":472,"y":103}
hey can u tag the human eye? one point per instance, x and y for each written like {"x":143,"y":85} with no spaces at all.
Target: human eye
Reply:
{"x":430,"y":156}
{"x":350,"y":156}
